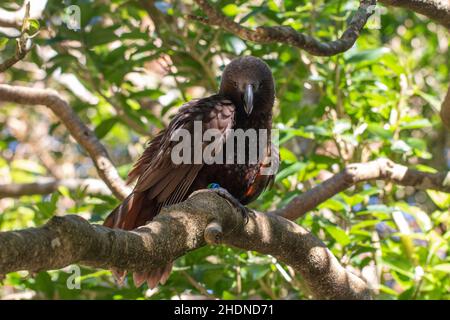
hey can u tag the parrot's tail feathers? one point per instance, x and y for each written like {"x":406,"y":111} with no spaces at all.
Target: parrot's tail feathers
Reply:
{"x":139,"y":278}
{"x":159,"y":275}
{"x":131,"y":213}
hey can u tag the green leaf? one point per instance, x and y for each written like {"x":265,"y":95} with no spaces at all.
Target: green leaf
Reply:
{"x":352,"y":200}
{"x":401,"y":146}
{"x":415,"y":124}
{"x":332,"y":204}
{"x":258,"y":271}
{"x":338,"y":234}
{"x":64,"y":191}
{"x":47,"y":209}
{"x":432,"y":100}
{"x":133,"y":104}
{"x":292,"y":169}
{"x":441,"y":199}
{"x":291,"y":132}
{"x":105,"y":126}
{"x":28,"y":166}
{"x":100,"y":36}
{"x":33,"y":26}
{"x":287,"y":155}
{"x":366,"y":55}
{"x":340,"y":126}
{"x":407,"y":294}
{"x":378,"y":130}
{"x":388,"y":290}
{"x":318,"y":130}
{"x":364,"y":224}
{"x":3,"y":42}
{"x":400,"y":264}
{"x":228,"y":296}
{"x":444,"y":267}
{"x":230,"y":10}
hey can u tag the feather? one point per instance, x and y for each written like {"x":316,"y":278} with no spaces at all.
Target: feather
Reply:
{"x":159,"y":181}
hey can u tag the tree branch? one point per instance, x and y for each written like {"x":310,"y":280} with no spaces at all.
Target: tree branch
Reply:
{"x":47,"y":186}
{"x":437,"y":10}
{"x":24,"y":44}
{"x":180,"y":228}
{"x":81,"y":133}
{"x":381,"y":169}
{"x":22,"y":48}
{"x":287,"y":35}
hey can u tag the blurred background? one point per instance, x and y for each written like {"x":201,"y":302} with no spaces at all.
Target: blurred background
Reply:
{"x":129,"y":65}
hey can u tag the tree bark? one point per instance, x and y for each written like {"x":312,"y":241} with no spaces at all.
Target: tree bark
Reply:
{"x":204,"y":217}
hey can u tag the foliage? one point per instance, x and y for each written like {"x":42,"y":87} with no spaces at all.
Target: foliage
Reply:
{"x":379,"y":99}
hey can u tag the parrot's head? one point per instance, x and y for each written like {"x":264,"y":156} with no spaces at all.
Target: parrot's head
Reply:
{"x":248,"y":82}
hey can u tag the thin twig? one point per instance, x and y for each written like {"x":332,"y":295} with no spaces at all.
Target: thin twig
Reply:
{"x":197,"y":285}
{"x":24,"y":44}
{"x":287,"y":35}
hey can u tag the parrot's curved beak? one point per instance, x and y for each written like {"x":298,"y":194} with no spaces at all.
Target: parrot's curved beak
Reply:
{"x":248,"y":99}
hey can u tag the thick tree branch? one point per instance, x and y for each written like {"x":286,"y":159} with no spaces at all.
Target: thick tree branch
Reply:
{"x":288,"y":35}
{"x":178,"y":229}
{"x":381,"y":169}
{"x":47,"y":186}
{"x":437,"y":10}
{"x":82,"y":134}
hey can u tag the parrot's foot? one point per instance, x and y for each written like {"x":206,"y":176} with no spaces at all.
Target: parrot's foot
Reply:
{"x":246,"y":212}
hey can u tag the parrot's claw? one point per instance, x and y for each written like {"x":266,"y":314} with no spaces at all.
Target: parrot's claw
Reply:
{"x":246,"y":212}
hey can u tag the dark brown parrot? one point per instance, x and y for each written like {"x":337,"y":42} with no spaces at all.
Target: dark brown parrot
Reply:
{"x":245,"y":101}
